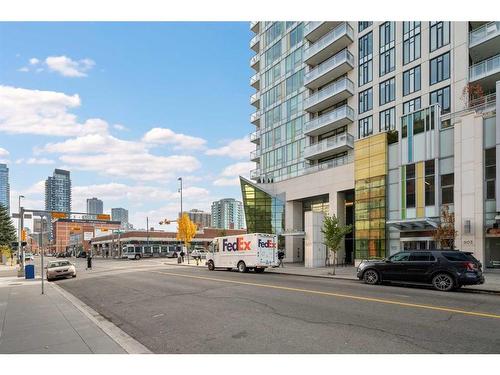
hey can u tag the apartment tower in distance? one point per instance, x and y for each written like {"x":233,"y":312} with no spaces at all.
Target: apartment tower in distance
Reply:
{"x":201,"y":218}
{"x":383,"y":124}
{"x":4,"y":187}
{"x":94,"y":206}
{"x":227,"y":214}
{"x":121,"y":215}
{"x":58,"y":191}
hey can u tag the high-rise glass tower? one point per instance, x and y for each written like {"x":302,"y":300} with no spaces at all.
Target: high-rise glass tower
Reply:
{"x":121,"y":215}
{"x":227,"y":214}
{"x":94,"y":206}
{"x":58,"y":191}
{"x":4,"y":186}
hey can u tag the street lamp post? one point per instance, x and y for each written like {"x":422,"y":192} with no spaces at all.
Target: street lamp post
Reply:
{"x":20,"y":251}
{"x":180,"y":191}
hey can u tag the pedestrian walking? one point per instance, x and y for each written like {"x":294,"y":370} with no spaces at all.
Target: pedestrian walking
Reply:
{"x":182,"y":256}
{"x":89,"y":262}
{"x":281,"y":255}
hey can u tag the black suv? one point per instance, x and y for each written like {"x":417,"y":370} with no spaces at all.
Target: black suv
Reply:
{"x":445,"y":270}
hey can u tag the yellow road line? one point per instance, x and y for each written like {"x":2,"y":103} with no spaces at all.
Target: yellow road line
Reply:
{"x":349,"y":296}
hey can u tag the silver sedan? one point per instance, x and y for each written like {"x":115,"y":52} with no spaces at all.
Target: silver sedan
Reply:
{"x":60,"y":268}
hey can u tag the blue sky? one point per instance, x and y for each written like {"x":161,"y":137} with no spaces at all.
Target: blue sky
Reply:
{"x":127,"y":107}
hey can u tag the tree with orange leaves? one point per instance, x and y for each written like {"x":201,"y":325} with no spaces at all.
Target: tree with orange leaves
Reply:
{"x":186,"y":229}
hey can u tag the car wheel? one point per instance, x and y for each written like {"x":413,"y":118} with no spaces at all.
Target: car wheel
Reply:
{"x":259,"y":270}
{"x":443,"y":282}
{"x":137,"y":256}
{"x":74,"y":275}
{"x":371,"y":277}
{"x":211,"y":265}
{"x":242,"y":267}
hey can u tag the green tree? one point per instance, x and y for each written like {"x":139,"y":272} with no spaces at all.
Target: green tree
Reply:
{"x":334,"y":233}
{"x":7,"y":232}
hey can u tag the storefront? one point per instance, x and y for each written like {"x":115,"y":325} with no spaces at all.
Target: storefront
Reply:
{"x":492,"y":248}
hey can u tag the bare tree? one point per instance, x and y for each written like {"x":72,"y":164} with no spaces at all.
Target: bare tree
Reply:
{"x":445,"y":232}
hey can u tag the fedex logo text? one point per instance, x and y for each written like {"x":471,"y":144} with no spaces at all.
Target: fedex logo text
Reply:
{"x":239,"y":245}
{"x":267,"y":244}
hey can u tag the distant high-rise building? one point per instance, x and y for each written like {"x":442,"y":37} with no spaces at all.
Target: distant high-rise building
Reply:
{"x":227,"y":214}
{"x":4,"y":187}
{"x":58,"y":191}
{"x":121,"y":215}
{"x":200,"y":218}
{"x":94,"y":206}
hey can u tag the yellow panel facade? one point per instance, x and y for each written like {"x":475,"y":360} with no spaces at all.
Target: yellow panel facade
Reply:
{"x":420,"y":188}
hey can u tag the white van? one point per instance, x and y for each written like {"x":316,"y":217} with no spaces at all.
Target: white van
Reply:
{"x":255,"y":251}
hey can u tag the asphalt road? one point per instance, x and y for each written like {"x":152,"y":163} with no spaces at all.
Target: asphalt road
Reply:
{"x":175,"y":309}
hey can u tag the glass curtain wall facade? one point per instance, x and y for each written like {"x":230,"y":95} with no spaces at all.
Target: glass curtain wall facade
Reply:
{"x":4,"y":187}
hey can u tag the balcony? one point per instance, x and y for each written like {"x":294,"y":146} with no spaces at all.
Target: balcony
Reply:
{"x":255,"y":137}
{"x":329,"y":44}
{"x":329,"y":121}
{"x":255,"y":99}
{"x":255,"y":43}
{"x":329,"y":70}
{"x":329,"y":95}
{"x":486,"y":73}
{"x":255,"y":81}
{"x":255,"y":26}
{"x":316,"y":29}
{"x":254,"y":174}
{"x":484,"y":41}
{"x":255,"y":62}
{"x":329,"y":147}
{"x":255,"y":155}
{"x":255,"y":118}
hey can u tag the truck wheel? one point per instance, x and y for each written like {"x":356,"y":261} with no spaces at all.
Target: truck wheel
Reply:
{"x":259,"y":270}
{"x":137,"y":256}
{"x":211,"y":266}
{"x":242,"y":267}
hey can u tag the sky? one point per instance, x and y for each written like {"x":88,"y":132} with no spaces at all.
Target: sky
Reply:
{"x":127,"y":108}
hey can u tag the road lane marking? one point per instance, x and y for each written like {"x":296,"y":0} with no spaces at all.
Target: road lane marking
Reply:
{"x":340,"y":295}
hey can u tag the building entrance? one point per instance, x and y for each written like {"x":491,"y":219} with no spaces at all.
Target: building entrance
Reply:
{"x":418,"y":244}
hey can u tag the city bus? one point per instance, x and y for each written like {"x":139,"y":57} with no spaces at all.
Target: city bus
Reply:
{"x":148,"y":251}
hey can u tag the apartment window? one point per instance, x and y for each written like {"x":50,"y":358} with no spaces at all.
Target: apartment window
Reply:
{"x":365,"y":100}
{"x":365,"y":127}
{"x":387,"y":120}
{"x":294,"y":82}
{"x":411,"y":41}
{"x":296,"y":35}
{"x":490,"y":172}
{"x":410,"y":186}
{"x":447,"y":182}
{"x":387,"y":91}
{"x":363,"y":25}
{"x":273,"y":32}
{"x":293,"y":60}
{"x":273,"y":53}
{"x":411,"y":105}
{"x":439,"y":34}
{"x":272,"y":75}
{"x":430,"y":186}
{"x":365,"y":59}
{"x":387,"y":48}
{"x":442,"y":97}
{"x":411,"y":80}
{"x":293,"y":106}
{"x":439,"y":68}
{"x":271,"y":96}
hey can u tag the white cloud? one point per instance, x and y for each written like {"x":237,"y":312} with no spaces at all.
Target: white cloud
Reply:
{"x":24,"y":69}
{"x":235,"y":149}
{"x":25,"y":111}
{"x":34,"y":61}
{"x":223,"y":181}
{"x":68,"y":67}
{"x":238,"y":169}
{"x":168,"y":136}
{"x":120,"y":127}
{"x":92,"y":143}
{"x":3,"y":152}
{"x":40,"y":161}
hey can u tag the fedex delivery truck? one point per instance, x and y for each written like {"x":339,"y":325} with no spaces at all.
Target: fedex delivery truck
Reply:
{"x":255,"y":251}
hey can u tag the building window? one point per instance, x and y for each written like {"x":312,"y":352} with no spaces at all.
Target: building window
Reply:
{"x":387,"y":48}
{"x":439,"y":34}
{"x":363,"y":25}
{"x":365,"y":127}
{"x":293,"y":61}
{"x":490,"y":172}
{"x":365,"y":100}
{"x":296,"y":35}
{"x":294,"y":82}
{"x":447,"y":182}
{"x":411,"y":80}
{"x":411,"y":41}
{"x":365,"y":59}
{"x":410,"y":186}
{"x":275,"y":31}
{"x":387,"y":91}
{"x":273,"y":53}
{"x":442,"y":97}
{"x":411,"y":105}
{"x":387,"y":120}
{"x":430,"y":186}
{"x":439,"y":68}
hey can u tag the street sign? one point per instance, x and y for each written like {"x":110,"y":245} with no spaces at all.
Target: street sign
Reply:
{"x":104,"y":229}
{"x":26,"y":216}
{"x":76,"y":228}
{"x":103,"y":217}
{"x":59,"y":215}
{"x":87,"y":236}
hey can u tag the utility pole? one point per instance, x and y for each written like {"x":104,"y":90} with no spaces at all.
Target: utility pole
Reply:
{"x":180,"y":191}
{"x":147,"y":228}
{"x":20,"y":250}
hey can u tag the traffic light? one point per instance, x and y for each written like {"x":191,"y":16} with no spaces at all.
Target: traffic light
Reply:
{"x":23,"y":235}
{"x":24,"y":243}
{"x":14,"y":246}
{"x":166,"y":222}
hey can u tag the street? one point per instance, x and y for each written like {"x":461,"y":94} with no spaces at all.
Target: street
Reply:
{"x":176,"y":309}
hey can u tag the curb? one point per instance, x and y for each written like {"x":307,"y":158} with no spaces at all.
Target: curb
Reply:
{"x":128,"y":343}
{"x":467,"y":290}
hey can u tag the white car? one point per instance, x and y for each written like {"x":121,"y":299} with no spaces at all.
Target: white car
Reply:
{"x":28,"y":256}
{"x":60,"y":268}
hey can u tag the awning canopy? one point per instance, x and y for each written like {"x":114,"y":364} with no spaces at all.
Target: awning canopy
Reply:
{"x":294,"y":233}
{"x":414,"y":224}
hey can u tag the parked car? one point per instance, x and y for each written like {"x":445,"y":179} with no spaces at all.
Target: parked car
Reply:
{"x":60,"y":268}
{"x":28,"y":256}
{"x":61,"y":255}
{"x":444,"y":270}
{"x":81,"y":254}
{"x":198,"y":254}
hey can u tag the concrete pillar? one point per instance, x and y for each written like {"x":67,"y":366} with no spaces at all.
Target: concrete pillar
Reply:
{"x":294,"y":251}
{"x":315,"y":250}
{"x":341,"y":216}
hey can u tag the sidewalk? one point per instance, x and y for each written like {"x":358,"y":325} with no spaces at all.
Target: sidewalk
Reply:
{"x":32,"y":323}
{"x":492,"y":283}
